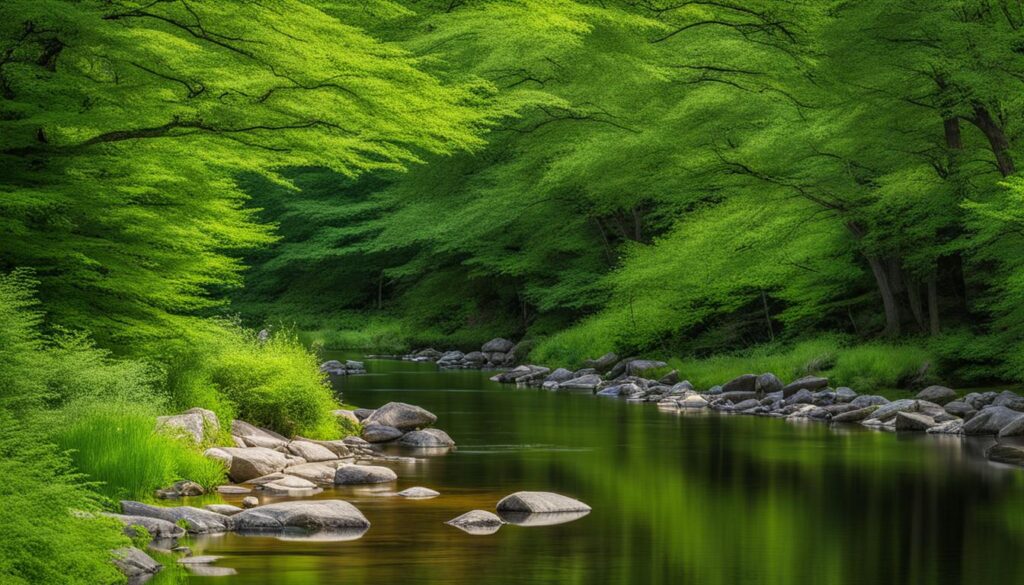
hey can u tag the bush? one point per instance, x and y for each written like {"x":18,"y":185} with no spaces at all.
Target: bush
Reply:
{"x":275,"y":384}
{"x":51,"y":532}
{"x":116,"y":446}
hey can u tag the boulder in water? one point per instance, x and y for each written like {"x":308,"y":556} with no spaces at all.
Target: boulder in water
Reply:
{"x":363,"y":474}
{"x":478,"y":522}
{"x":404,"y":417}
{"x":540,"y":502}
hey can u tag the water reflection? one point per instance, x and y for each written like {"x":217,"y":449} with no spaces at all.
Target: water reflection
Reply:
{"x":677,"y":499}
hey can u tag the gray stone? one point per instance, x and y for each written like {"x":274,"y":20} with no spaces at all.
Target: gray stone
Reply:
{"x":844,"y":394}
{"x":913,"y":421}
{"x":638,"y":367}
{"x":318,"y":473}
{"x":135,"y":564}
{"x":560,"y":375}
{"x":938,"y":394}
{"x":511,"y":375}
{"x":339,"y":448}
{"x":311,"y":452}
{"x":869,"y":400}
{"x":476,"y":358}
{"x":744,"y":383}
{"x":250,"y":502}
{"x":419,"y":492}
{"x":737,"y":396}
{"x":477,"y":522}
{"x":291,"y":485}
{"x":540,"y":502}
{"x":156,"y":527}
{"x":588,"y":382}
{"x":375,"y":433}
{"x":811,"y":383}
{"x":198,"y":424}
{"x":197,"y":521}
{"x":746,"y":405}
{"x":426,"y":438}
{"x":1014,"y":429}
{"x":670,"y":378}
{"x":1010,"y":400}
{"x":856,"y":415}
{"x":802,"y":396}
{"x":694,"y":401}
{"x":200,"y":560}
{"x":362,"y":413}
{"x":225,"y":509}
{"x":254,"y":436}
{"x":888,"y":412}
{"x":768,"y":383}
{"x":307,"y":515}
{"x":497,"y":344}
{"x":363,"y":474}
{"x":603,"y":363}
{"x":990,"y":420}
{"x":250,"y":462}
{"x":950,"y":427}
{"x":233,"y":489}
{"x":404,"y":417}
{"x":960,"y":408}
{"x":181,"y":489}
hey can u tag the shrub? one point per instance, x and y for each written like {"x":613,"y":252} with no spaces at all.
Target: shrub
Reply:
{"x":116,"y":446}
{"x":51,"y":532}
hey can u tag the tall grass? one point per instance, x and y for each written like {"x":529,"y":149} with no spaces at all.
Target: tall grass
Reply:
{"x":116,"y":447}
{"x":865,"y":367}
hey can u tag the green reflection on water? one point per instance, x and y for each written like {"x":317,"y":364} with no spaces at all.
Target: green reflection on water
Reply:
{"x":677,"y":499}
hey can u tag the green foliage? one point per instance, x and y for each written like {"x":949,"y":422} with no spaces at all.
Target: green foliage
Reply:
{"x":52,"y":533}
{"x":116,"y":446}
{"x":275,"y":384}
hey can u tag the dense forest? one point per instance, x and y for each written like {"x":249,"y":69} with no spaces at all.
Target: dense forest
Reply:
{"x":698,"y":180}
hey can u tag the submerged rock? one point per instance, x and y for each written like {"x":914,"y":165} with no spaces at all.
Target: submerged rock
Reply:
{"x":477,"y":522}
{"x":419,"y":492}
{"x":1004,"y":453}
{"x":426,"y":438}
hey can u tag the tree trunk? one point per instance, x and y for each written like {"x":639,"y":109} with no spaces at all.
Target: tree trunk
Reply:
{"x":933,"y":304}
{"x":914,"y":298}
{"x":892,"y":311}
{"x":997,"y":140}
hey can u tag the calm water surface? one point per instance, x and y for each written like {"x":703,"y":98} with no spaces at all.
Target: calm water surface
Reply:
{"x":678,"y":499}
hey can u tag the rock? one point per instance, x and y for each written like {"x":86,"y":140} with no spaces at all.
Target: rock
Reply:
{"x":536,"y":374}
{"x":181,"y":489}
{"x":588,"y":382}
{"x":1003,"y":453}
{"x":990,"y":420}
{"x":869,"y":400}
{"x":200,"y":560}
{"x":429,"y":353}
{"x":621,"y":390}
{"x":960,"y":409}
{"x":497,"y":344}
{"x":307,"y":515}
{"x":419,"y":492}
{"x":638,"y":367}
{"x":363,"y":474}
{"x":856,"y":415}
{"x":560,"y":375}
{"x":694,"y":401}
{"x":477,"y":522}
{"x":346,"y":415}
{"x":426,"y":438}
{"x":340,"y":449}
{"x":311,"y":452}
{"x":681,"y":388}
{"x":225,"y":509}
{"x":1013,"y":429}
{"x":767,"y":383}
{"x":802,"y":396}
{"x":197,"y":424}
{"x":404,"y":417}
{"x":250,"y":502}
{"x":540,"y":502}
{"x":135,"y":564}
{"x":737,"y":396}
{"x":938,"y":394}
{"x":233,"y":489}
{"x":511,"y":375}
{"x":362,"y":413}
{"x":318,"y":473}
{"x":837,"y":409}
{"x":265,"y":479}
{"x":950,"y":427}
{"x":1010,"y":400}
{"x":888,"y":412}
{"x":670,"y":378}
{"x":375,"y":433}
{"x":476,"y":358}
{"x":198,"y":521}
{"x":254,"y":436}
{"x":913,"y":421}
{"x":603,"y":363}
{"x":744,"y":383}
{"x":811,"y":383}
{"x":292,"y":486}
{"x":156,"y":527}
{"x":250,"y":462}
{"x":844,"y":394}
{"x":747,"y":405}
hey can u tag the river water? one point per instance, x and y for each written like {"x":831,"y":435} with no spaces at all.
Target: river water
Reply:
{"x":701,"y":499}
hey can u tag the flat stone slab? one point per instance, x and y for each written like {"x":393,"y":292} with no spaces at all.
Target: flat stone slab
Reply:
{"x":419,"y":492}
{"x":306,"y":515}
{"x":200,"y":560}
{"x":540,"y":502}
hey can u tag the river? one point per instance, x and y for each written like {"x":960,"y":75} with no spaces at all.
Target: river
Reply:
{"x":703,"y":499}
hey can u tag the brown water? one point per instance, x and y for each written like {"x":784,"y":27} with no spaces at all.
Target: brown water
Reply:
{"x":677,"y":499}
